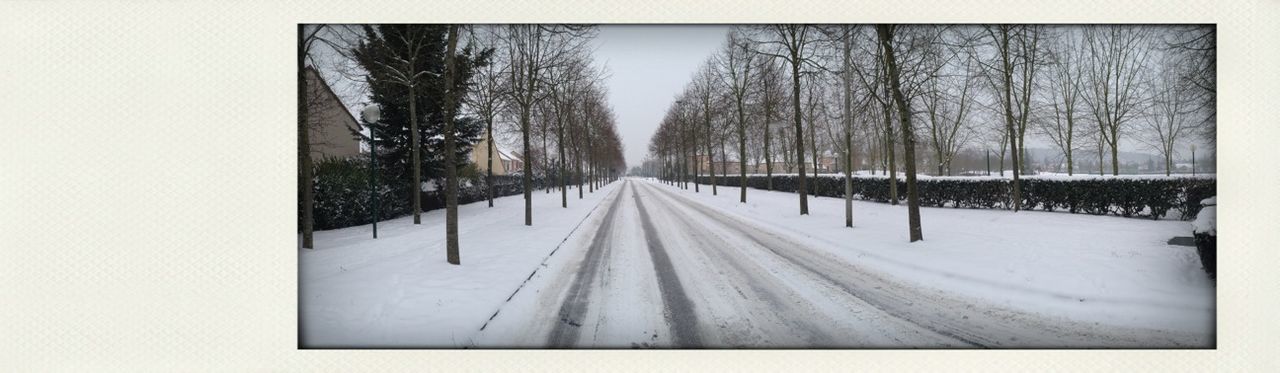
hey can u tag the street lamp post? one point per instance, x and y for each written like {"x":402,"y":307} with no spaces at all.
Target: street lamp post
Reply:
{"x":988,"y":162}
{"x":371,"y":115}
{"x":1193,"y":159}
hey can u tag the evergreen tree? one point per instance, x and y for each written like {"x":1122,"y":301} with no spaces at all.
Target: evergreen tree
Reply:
{"x":380,"y":55}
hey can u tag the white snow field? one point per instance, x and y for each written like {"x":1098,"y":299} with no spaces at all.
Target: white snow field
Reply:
{"x":657,"y":266}
{"x":398,"y":291}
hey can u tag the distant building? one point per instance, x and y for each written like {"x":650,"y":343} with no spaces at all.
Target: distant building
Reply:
{"x":828,"y":163}
{"x":329,"y":120}
{"x":506,"y":162}
{"x":778,"y":167}
{"x":726,"y":167}
{"x":706,"y":165}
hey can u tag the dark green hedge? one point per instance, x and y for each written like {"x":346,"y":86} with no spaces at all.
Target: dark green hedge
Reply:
{"x":342,"y":197}
{"x":341,"y":194}
{"x":1129,"y":197}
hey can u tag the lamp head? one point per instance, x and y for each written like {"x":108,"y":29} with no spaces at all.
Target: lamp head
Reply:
{"x":372,"y":113}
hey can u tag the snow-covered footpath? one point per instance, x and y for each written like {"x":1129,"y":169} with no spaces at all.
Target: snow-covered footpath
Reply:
{"x":1101,"y":269}
{"x":398,"y":291}
{"x":638,"y":263}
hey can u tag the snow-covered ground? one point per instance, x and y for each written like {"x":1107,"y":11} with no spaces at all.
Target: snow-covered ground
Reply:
{"x":671,"y":268}
{"x":1104,"y":269}
{"x":995,"y":175}
{"x":398,"y":291}
{"x":651,"y":265}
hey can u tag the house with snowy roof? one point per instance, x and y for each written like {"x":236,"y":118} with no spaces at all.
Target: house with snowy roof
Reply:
{"x":506,"y":161}
{"x":329,"y":120}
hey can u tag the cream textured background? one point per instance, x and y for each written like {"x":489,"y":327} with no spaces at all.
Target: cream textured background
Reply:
{"x":147,"y":184}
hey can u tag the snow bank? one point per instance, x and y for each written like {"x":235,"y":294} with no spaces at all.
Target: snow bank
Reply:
{"x":398,"y":291}
{"x":1109,"y":270}
{"x":1207,"y":220}
{"x":1008,"y":176}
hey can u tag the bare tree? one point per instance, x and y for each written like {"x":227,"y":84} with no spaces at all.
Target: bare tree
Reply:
{"x":1117,"y":54}
{"x":813,"y":104}
{"x":948,"y":110}
{"x":451,"y":164}
{"x":1172,"y":104}
{"x":311,"y":40}
{"x":487,"y":99}
{"x":846,"y":40}
{"x":1064,"y":94}
{"x":1198,"y":46}
{"x":875,"y":81}
{"x":704,"y":92}
{"x":1003,"y":37}
{"x":793,"y":43}
{"x":886,"y":34}
{"x":1030,"y":56}
{"x":769,"y":99}
{"x":566,"y":86}
{"x":735,"y":73}
{"x":308,"y":35}
{"x":531,"y":50}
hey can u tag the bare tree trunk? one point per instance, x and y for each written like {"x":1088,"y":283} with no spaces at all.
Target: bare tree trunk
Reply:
{"x":416,"y":191}
{"x":711,"y":160}
{"x":697,"y":163}
{"x":528,"y":162}
{"x":892,"y":167}
{"x":684,"y":162}
{"x":742,"y":155}
{"x":577,"y":162}
{"x":591,"y":166}
{"x":908,"y":137}
{"x":488,"y":178}
{"x":847,"y":96}
{"x":795,"y":105}
{"x":768,"y":117}
{"x":768,"y":160}
{"x":564,"y":184}
{"x":451,"y":163}
{"x":305,"y":169}
{"x":1100,"y":152}
{"x":546,"y":159}
{"x":724,"y":159}
{"x":813,"y":149}
{"x":1115,"y":152}
{"x":1070,"y":166}
{"x":1007,"y":74}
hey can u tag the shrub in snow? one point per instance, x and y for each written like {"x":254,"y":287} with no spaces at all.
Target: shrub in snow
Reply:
{"x":342,"y":193}
{"x":502,"y":186}
{"x":1205,"y":228}
{"x":1130,"y":197}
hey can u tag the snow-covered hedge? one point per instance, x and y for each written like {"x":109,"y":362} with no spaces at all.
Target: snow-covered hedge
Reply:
{"x":1146,"y":197}
{"x":342,"y":197}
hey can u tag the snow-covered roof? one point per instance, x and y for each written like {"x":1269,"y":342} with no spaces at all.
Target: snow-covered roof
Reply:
{"x":503,"y":154}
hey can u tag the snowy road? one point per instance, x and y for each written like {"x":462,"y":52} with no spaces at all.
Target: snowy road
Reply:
{"x":662,"y":269}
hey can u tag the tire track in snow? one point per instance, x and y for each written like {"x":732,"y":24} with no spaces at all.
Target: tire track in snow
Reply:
{"x":575,"y":305}
{"x":679,"y":309}
{"x":770,"y":303}
{"x":982,"y":325}
{"x":542,"y":264}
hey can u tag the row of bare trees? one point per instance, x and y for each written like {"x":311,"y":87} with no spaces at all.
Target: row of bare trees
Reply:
{"x":888,"y":98}
{"x":526,"y":80}
{"x":544,"y":86}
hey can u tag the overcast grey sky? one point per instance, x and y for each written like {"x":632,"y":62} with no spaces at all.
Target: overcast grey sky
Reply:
{"x":648,"y":66}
